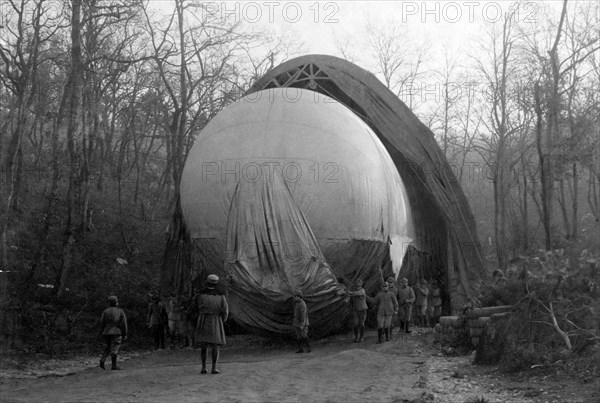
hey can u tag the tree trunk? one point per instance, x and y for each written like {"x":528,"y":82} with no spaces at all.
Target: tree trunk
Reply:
{"x":499,"y":223}
{"x":551,"y":130}
{"x":544,"y":166}
{"x":11,"y":168}
{"x":593,"y":198}
{"x":52,"y":196}
{"x":563,"y":208}
{"x":525,"y":244}
{"x":575,"y":199}
{"x":72,"y":128}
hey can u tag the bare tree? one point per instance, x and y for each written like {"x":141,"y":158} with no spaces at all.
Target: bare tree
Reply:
{"x":261,"y":52}
{"x":29,"y":26}
{"x":558,"y":72}
{"x":94,"y":64}
{"x":504,"y":126}
{"x":191,"y":53}
{"x":399,"y":59}
{"x":346,"y":48}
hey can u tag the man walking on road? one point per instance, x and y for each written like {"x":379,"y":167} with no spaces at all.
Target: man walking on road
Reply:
{"x":212,"y":314}
{"x":114,"y":331}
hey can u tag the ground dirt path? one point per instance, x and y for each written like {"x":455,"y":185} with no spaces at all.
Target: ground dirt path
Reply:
{"x":405,"y":369}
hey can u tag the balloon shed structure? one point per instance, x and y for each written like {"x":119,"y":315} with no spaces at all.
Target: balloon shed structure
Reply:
{"x":317,"y":177}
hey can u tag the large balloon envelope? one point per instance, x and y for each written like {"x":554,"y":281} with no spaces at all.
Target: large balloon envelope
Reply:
{"x":291,"y":190}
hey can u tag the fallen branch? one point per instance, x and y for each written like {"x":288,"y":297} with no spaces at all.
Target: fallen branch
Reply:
{"x":562,"y":334}
{"x":550,"y":311}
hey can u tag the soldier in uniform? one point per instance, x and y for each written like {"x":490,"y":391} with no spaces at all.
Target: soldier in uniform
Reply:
{"x":406,"y":297}
{"x":435,"y":302}
{"x":358,"y":300}
{"x":300,"y":322}
{"x":157,"y":321}
{"x":387,"y":306}
{"x":394,"y":290}
{"x":212,"y":314}
{"x":114,"y":331}
{"x":422,"y":293}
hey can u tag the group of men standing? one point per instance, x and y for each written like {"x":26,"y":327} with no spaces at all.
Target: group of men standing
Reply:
{"x":209,"y":311}
{"x":395,"y":302}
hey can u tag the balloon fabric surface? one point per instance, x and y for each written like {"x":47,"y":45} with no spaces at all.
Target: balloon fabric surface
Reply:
{"x":288,"y":189}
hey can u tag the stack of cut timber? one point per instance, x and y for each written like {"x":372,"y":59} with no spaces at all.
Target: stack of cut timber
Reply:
{"x":479,"y":318}
{"x":450,"y":328}
{"x":476,"y":328}
{"x":489,"y":311}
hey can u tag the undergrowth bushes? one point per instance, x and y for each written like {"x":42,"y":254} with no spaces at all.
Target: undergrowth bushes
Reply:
{"x":119,"y":254}
{"x":557,"y":309}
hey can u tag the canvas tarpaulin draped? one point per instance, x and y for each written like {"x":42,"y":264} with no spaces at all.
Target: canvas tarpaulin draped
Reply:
{"x":445,"y":231}
{"x":271,"y":253}
{"x":394,"y":185}
{"x":338,"y":178}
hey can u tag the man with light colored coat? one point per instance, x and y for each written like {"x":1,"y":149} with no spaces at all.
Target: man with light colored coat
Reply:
{"x":387,"y":306}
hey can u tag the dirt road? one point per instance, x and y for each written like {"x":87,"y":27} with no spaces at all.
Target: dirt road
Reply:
{"x":337,"y":370}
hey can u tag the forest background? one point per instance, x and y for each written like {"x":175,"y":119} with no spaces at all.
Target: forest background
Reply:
{"x":100,"y":101}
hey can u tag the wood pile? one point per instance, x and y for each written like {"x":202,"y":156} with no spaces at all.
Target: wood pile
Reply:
{"x":474,"y":325}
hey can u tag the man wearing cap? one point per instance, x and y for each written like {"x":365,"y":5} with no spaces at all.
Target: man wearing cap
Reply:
{"x":387,"y":306}
{"x":114,"y":331}
{"x":212,"y":314}
{"x":406,"y":297}
{"x":157,"y":321}
{"x":358,"y":301}
{"x":176,"y":321}
{"x":391,"y":280}
{"x":300,"y":322}
{"x":422,"y":294}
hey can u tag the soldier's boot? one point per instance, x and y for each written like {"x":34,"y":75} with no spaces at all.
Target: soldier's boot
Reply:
{"x":361,"y":333}
{"x":299,"y":344}
{"x":407,"y":324}
{"x":103,"y":360}
{"x":391,"y":332}
{"x":307,"y":344}
{"x":379,"y":336}
{"x":113,"y":358}
{"x":203,"y":358}
{"x":355,"y":334}
{"x":402,"y":326}
{"x":215,"y":359}
{"x":387,"y":334}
